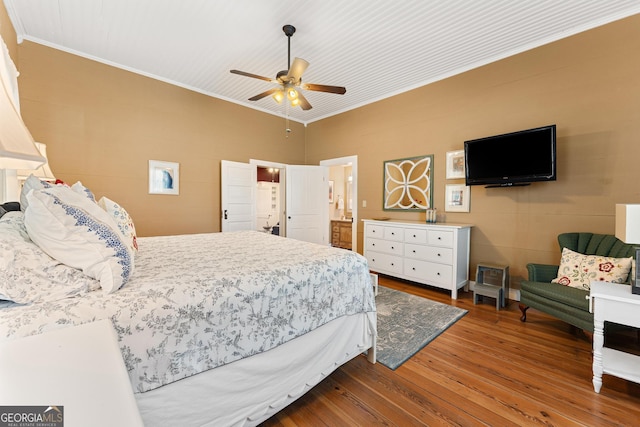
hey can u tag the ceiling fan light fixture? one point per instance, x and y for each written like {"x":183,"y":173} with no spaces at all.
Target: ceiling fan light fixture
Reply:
{"x":278,"y":96}
{"x":292,"y":94}
{"x":295,"y":102}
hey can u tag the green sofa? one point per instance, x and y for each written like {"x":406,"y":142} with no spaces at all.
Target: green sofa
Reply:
{"x":566,"y":303}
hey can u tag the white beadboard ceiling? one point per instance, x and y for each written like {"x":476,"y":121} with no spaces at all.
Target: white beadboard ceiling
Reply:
{"x":375,"y":48}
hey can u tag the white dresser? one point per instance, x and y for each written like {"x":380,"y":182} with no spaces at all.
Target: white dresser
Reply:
{"x":433,"y":254}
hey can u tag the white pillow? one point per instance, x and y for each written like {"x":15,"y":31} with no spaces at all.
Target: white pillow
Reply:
{"x":84,"y":191}
{"x":31,"y":183}
{"x":29,"y":275}
{"x":77,"y":232}
{"x":123,"y":219}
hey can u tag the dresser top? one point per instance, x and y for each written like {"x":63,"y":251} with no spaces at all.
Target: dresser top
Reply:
{"x":420,"y":223}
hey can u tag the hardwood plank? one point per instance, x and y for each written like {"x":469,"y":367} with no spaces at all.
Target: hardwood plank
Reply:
{"x":487,"y":369}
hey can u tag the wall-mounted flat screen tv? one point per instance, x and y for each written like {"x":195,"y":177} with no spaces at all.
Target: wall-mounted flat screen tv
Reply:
{"x":517,"y":158}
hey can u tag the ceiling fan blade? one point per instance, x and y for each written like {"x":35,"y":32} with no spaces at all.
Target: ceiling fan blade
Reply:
{"x":263,"y":94}
{"x":324,"y":88}
{"x":297,"y":69}
{"x":255,"y":76}
{"x":304,"y":104}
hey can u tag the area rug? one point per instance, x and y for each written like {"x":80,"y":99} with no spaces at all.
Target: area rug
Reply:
{"x":407,"y":323}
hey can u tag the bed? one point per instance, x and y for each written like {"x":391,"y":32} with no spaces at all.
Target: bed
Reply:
{"x":214,"y":329}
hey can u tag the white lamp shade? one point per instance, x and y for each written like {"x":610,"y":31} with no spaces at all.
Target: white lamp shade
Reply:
{"x":17,"y":148}
{"x":44,"y":172}
{"x":628,"y":223}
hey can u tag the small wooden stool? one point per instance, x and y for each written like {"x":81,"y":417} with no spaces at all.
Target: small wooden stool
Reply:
{"x":488,"y":291}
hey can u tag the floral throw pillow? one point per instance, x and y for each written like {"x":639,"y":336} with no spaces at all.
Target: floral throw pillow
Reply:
{"x":578,"y":270}
{"x":123,"y":219}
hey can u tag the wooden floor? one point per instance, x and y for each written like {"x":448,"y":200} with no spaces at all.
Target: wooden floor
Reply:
{"x":487,"y":369}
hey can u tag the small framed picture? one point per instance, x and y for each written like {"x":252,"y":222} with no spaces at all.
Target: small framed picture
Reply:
{"x":457,"y":198}
{"x":164,"y":177}
{"x":455,"y":164}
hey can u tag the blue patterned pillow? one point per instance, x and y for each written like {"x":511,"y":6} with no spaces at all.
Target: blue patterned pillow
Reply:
{"x":77,"y":232}
{"x":84,"y":191}
{"x":31,"y":183}
{"x":28,"y":275}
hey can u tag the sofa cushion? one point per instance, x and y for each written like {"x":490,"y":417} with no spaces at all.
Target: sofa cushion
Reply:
{"x":567,"y":295}
{"x":578,"y":270}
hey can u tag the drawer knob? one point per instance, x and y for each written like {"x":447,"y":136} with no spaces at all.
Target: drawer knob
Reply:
{"x":414,"y":251}
{"x":439,"y":255}
{"x":393,"y":234}
{"x":392,"y":264}
{"x":393,"y":247}
{"x":439,"y":238}
{"x":413,"y":268}
{"x":414,"y":236}
{"x":438,"y":274}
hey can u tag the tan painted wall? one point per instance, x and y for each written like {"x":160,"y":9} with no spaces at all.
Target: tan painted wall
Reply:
{"x":589,"y":85}
{"x":102,"y":125}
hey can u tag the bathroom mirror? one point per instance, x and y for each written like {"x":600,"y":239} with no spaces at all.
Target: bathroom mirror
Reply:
{"x":408,"y":183}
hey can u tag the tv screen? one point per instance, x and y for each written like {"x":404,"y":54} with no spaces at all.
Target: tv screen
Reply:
{"x":516,"y":158}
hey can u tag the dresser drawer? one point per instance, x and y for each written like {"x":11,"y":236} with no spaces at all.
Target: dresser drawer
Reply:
{"x":384,"y":263}
{"x":386,"y":246}
{"x":429,"y":253}
{"x":372,"y":230}
{"x":429,"y":272}
{"x":415,"y":236}
{"x":440,"y":238}
{"x":394,"y":233}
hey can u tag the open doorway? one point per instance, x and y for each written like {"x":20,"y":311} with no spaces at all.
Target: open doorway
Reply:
{"x":268,"y":195}
{"x":343,"y":209}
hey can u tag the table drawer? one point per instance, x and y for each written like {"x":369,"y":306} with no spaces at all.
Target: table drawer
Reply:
{"x":386,"y":246}
{"x":440,"y":238}
{"x":429,"y":272}
{"x":429,"y":253}
{"x":384,"y":262}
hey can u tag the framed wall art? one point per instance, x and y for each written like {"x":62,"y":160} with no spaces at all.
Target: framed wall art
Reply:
{"x":408,"y":183}
{"x":455,"y":164}
{"x":164,"y":177}
{"x":457,"y":198}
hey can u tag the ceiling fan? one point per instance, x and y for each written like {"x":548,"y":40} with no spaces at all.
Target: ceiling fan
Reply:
{"x":290,"y":81}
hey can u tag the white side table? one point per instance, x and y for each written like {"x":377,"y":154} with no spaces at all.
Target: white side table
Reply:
{"x":79,"y":368}
{"x":613,"y":303}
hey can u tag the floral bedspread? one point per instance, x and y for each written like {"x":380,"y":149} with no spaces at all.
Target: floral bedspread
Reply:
{"x":199,"y":301}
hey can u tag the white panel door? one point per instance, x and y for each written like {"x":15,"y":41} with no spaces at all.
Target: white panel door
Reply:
{"x":307,"y":199}
{"x":238,"y":196}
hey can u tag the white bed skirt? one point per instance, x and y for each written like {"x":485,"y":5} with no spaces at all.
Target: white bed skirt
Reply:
{"x":250,"y":390}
